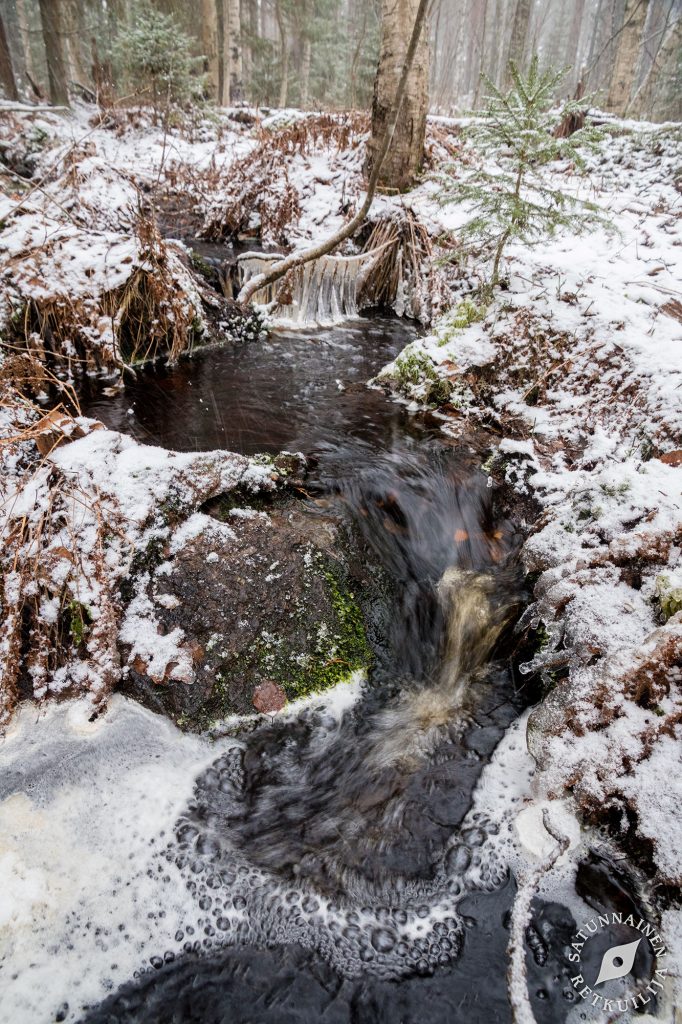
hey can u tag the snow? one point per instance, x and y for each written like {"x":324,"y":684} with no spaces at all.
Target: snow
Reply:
{"x":584,"y":322}
{"x":82,"y":813}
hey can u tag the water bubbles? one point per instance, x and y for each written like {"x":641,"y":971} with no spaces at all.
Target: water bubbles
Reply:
{"x":474,"y":837}
{"x":383,"y":940}
{"x":458,"y":859}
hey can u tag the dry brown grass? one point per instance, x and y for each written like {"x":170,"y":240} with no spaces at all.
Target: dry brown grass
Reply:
{"x":404,"y":260}
{"x":46,"y":570}
{"x":260,"y":183}
{"x":156,"y":312}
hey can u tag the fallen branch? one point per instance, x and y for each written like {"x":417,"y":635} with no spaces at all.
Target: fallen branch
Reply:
{"x":323,"y":248}
{"x":29,"y":108}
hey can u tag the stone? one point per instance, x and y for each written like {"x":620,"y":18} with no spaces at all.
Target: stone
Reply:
{"x":269,"y":697}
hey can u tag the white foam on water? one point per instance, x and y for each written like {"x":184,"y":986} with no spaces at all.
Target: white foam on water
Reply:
{"x":83,"y":808}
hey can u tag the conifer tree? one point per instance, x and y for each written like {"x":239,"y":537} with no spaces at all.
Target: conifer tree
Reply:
{"x":156,"y":56}
{"x":511,"y":196}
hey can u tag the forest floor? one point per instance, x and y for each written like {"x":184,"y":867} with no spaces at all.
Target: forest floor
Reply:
{"x":575,"y":365}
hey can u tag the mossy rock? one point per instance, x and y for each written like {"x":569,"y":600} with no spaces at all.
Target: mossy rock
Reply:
{"x":275,"y":601}
{"x":414,"y":376}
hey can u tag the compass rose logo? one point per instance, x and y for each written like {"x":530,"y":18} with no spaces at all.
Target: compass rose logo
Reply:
{"x":639,"y":983}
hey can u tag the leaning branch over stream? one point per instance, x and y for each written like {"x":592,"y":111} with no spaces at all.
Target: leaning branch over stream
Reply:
{"x":298,"y":259}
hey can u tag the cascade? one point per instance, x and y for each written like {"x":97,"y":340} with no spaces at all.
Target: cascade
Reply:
{"x":323,"y":291}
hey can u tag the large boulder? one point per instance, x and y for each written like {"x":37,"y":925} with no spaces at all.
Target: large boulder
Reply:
{"x":265,"y":601}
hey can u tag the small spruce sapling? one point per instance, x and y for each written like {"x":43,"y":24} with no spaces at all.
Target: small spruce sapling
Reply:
{"x":156,"y":56}
{"x":511,"y":197}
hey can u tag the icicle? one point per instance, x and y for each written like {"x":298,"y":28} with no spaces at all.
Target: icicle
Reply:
{"x":324,"y":291}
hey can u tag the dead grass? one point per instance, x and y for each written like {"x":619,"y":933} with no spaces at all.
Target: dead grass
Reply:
{"x":403,"y":265}
{"x":56,"y":597}
{"x":260,"y":184}
{"x":156,"y":312}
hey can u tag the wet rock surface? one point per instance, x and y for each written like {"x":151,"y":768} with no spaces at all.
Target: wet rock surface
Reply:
{"x":267,"y":598}
{"x":286,"y":984}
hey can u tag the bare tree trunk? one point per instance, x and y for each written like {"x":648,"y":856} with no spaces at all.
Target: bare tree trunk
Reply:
{"x":353,"y":77}
{"x":7,"y":79}
{"x":74,"y":33}
{"x":519,"y":32}
{"x":573,"y":40}
{"x":235,"y":69}
{"x":250,"y":49}
{"x":481,"y":52}
{"x":284,"y":54}
{"x":50,"y":15}
{"x":642,"y":102}
{"x":403,"y":162}
{"x":209,"y":45}
{"x":25,"y":34}
{"x":624,"y":66}
{"x":299,"y":259}
{"x":306,"y":61}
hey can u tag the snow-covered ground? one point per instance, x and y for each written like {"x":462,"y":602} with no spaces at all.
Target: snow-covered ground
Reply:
{"x":577,"y":362}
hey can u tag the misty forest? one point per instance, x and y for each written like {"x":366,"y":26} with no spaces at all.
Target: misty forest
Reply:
{"x":340,"y":511}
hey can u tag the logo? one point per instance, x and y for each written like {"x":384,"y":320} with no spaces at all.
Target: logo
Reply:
{"x":636,"y":963}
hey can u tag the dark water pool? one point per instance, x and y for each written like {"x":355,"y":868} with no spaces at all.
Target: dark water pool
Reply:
{"x":292,"y":391}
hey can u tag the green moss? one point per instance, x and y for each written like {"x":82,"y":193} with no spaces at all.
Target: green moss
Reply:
{"x":202,"y":266}
{"x":80,"y":620}
{"x":465,"y":314}
{"x":330,"y":649}
{"x":667,"y":598}
{"x":413,"y":369}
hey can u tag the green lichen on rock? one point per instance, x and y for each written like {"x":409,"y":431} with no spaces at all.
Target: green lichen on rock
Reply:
{"x":324,"y":648}
{"x":275,"y":600}
{"x":667,"y":598}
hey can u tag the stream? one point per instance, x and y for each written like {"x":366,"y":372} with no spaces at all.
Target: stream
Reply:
{"x":352,"y":859}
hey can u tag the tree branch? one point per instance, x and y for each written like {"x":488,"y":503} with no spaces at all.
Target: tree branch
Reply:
{"x":282,"y":267}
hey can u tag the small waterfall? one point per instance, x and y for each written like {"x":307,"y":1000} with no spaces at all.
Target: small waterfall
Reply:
{"x":475,"y":615}
{"x":324,"y":291}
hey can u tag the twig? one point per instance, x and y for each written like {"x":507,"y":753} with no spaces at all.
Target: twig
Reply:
{"x":517,"y":982}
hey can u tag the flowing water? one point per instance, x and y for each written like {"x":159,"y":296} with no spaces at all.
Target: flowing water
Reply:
{"x":352,"y":860}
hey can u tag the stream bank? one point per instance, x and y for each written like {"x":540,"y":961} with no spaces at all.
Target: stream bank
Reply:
{"x":564,"y":369}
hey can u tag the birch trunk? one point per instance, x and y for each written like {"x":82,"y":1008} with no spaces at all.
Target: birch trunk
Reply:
{"x":402,"y":163}
{"x":620,"y":85}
